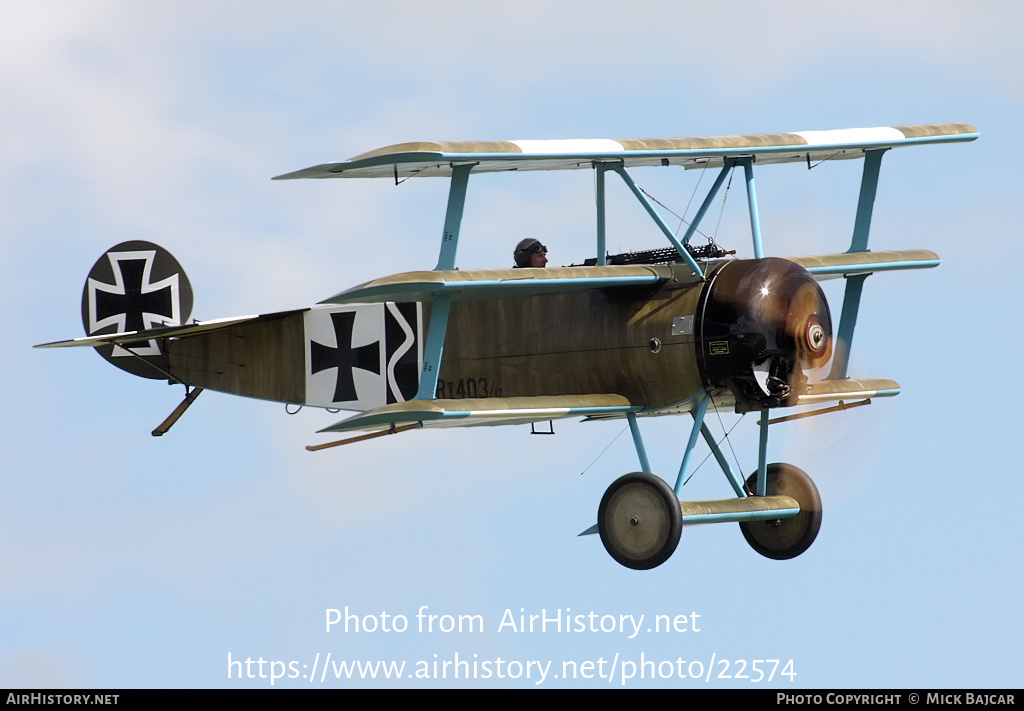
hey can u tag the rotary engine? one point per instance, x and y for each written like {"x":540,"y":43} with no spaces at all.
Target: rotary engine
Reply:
{"x":762,"y":325}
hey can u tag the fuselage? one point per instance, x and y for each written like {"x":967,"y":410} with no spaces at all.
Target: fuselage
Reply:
{"x":637,"y":342}
{"x":658,"y":345}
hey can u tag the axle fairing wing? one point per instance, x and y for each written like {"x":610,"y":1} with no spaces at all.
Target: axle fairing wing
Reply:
{"x":436,"y":159}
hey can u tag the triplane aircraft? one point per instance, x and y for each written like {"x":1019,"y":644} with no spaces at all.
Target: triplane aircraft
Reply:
{"x":682,"y":333}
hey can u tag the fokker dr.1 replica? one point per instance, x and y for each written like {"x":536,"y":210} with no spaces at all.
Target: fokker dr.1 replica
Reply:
{"x":619,"y":337}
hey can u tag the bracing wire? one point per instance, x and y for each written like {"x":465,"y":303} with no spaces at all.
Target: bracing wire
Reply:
{"x":721,"y":210}
{"x":721,"y":424}
{"x":604,"y":450}
{"x":690,"y":201}
{"x":710,"y":238}
{"x":809,"y":165}
{"x":677,"y":216}
{"x":725,"y":439}
{"x":711,"y":453}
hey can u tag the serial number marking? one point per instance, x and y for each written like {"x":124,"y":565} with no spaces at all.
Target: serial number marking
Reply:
{"x":466,"y":388}
{"x":756,"y":665}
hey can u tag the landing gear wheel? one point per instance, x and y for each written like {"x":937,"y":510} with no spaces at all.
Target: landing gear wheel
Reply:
{"x":782,"y":539}
{"x":640,"y":521}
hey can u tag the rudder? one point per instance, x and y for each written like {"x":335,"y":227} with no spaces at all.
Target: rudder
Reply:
{"x":135,"y":286}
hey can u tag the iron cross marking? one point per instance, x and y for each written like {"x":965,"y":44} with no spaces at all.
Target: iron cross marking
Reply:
{"x":139,"y":297}
{"x":345,"y":358}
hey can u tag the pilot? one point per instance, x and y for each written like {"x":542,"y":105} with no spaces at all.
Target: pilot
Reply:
{"x":531,"y":253}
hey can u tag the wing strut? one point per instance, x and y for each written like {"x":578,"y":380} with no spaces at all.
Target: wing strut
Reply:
{"x":698,"y":423}
{"x":638,"y":441}
{"x":734,"y":479}
{"x":453,"y":217}
{"x":859,"y":243}
{"x":680,"y":245}
{"x":602,"y":249}
{"x":762,"y":455}
{"x":707,"y":201}
{"x":755,"y":219}
{"x":435,"y":347}
{"x":438,"y":326}
{"x":683,"y":252}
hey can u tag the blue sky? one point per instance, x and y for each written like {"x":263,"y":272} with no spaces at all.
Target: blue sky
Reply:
{"x":134,"y":561}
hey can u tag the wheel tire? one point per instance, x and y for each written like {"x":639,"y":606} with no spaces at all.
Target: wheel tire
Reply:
{"x":782,"y":539}
{"x":640,"y":521}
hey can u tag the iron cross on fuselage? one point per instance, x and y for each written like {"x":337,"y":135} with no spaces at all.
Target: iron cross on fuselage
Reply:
{"x":344,"y":357}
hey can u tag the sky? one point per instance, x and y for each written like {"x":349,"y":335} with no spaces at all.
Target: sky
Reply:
{"x":132,"y":561}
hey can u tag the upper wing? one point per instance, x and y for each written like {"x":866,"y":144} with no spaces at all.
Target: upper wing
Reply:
{"x":405,"y":160}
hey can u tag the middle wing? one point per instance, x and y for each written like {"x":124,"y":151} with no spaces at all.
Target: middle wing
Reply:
{"x":499,"y":283}
{"x":831,"y":266}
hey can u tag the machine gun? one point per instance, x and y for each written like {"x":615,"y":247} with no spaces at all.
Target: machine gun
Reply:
{"x":666,"y":255}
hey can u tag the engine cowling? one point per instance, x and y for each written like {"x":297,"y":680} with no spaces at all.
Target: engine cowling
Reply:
{"x":762,"y":325}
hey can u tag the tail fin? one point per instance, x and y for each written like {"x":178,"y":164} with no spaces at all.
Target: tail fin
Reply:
{"x":133,"y":287}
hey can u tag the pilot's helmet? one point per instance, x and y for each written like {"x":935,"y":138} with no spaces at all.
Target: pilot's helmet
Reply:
{"x":526,"y":248}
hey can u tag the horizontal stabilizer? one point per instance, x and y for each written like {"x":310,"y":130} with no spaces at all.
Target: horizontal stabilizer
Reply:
{"x":431,"y":159}
{"x":163,"y":332}
{"x":831,"y":266}
{"x":483,"y":411}
{"x":499,"y":283}
{"x":848,"y":389}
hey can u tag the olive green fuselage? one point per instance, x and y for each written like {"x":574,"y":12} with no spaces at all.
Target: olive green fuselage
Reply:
{"x":599,"y":341}
{"x":638,"y":342}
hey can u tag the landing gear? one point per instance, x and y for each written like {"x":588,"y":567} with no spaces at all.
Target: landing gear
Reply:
{"x":640,"y":521}
{"x":782,"y":539}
